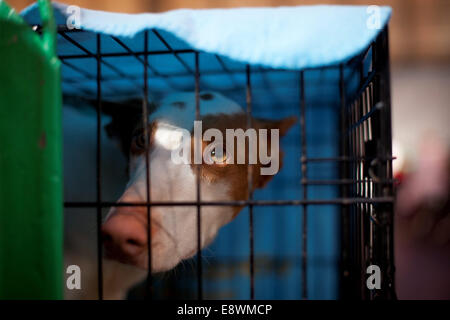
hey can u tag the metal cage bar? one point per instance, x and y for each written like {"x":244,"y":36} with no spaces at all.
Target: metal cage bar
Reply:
{"x":197,"y":168}
{"x":343,"y":169}
{"x":304,"y":168}
{"x":99,"y":170}
{"x":248,"y":99}
{"x":149,"y":282}
{"x":336,"y":201}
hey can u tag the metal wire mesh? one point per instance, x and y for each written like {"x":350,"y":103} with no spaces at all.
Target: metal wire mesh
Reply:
{"x":365,"y":171}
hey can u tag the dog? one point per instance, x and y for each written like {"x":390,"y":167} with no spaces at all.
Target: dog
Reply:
{"x":222,"y":178}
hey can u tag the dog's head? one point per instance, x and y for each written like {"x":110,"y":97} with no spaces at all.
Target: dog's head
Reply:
{"x":220,"y":151}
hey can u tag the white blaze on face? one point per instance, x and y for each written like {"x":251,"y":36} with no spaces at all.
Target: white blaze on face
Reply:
{"x":175,"y":237}
{"x":174,"y":228}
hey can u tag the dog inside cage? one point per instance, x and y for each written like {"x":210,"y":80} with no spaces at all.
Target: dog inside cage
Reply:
{"x":201,"y":198}
{"x":197,"y":162}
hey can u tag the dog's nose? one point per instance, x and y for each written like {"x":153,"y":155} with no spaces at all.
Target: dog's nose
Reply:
{"x":124,"y":236}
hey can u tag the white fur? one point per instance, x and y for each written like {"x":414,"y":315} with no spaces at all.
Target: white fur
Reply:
{"x":177,"y":237}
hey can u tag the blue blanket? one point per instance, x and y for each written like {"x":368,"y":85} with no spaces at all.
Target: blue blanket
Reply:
{"x":284,"y":37}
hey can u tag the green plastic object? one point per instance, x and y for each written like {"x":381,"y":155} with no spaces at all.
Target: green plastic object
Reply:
{"x":31,"y":229}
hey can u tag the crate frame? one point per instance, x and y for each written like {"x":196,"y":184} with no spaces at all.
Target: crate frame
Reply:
{"x":366,"y":221}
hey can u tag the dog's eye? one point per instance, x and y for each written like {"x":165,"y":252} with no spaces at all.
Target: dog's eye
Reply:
{"x":218,"y":158}
{"x":139,"y":141}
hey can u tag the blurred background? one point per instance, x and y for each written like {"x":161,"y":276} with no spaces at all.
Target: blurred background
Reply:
{"x":420,"y":59}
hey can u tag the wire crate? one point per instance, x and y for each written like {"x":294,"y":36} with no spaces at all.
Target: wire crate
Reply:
{"x":362,"y":156}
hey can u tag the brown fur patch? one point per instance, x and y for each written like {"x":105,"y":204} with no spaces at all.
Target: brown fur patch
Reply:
{"x":237,"y":174}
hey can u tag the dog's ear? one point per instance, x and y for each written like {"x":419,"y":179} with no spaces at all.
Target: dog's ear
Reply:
{"x":126,"y":116}
{"x":283,"y":124}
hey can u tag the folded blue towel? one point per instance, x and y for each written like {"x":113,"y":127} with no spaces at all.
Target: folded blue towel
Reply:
{"x":284,"y":37}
